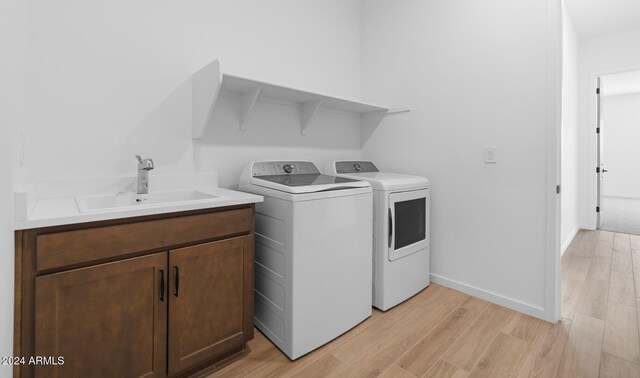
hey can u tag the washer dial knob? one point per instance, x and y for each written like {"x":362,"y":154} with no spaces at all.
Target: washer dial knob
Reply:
{"x":357,"y":167}
{"x":288,"y":168}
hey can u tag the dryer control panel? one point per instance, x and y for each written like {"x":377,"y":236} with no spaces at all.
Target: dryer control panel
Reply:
{"x":355,"y":167}
{"x":275,"y":168}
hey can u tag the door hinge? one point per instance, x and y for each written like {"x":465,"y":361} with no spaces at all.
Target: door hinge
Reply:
{"x":597,"y":130}
{"x":597,"y":209}
{"x":597,"y":169}
{"x":597,"y":90}
{"x":557,"y":189}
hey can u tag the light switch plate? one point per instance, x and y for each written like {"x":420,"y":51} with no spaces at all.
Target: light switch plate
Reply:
{"x":490,"y":153}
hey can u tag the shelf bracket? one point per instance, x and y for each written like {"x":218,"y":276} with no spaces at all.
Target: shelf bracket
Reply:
{"x":249,"y":99}
{"x":309,"y":109}
{"x":369,"y":122}
{"x":373,"y":119}
{"x":205,"y":87}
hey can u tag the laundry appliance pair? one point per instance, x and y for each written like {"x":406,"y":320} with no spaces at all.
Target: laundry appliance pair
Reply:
{"x":329,"y":246}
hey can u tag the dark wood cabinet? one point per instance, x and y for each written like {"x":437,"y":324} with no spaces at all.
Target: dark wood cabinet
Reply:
{"x":111,"y":315}
{"x":210,"y":301}
{"x":164,"y":295}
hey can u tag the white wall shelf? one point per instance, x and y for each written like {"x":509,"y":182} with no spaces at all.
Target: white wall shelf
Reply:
{"x":210,"y":80}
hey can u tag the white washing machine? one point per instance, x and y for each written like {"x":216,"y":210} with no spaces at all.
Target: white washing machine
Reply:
{"x":312,"y":253}
{"x":400,"y":230}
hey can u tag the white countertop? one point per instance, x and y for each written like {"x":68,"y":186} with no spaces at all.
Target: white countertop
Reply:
{"x":49,"y":212}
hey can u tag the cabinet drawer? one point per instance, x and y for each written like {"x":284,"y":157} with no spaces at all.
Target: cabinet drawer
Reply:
{"x":75,"y":247}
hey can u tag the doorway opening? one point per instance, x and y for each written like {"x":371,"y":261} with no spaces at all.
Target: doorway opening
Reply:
{"x":618,"y":152}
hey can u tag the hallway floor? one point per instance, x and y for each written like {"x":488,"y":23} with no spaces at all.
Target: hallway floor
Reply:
{"x":621,"y":215}
{"x":601,"y":297}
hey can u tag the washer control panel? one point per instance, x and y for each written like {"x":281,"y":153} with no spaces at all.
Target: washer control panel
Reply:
{"x":274,"y":168}
{"x":355,"y":167}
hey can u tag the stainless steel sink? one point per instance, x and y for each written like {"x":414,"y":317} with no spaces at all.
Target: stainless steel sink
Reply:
{"x":123,"y":201}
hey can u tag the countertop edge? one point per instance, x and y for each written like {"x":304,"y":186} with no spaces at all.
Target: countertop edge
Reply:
{"x":236,"y":198}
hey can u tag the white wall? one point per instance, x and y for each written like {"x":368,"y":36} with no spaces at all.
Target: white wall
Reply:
{"x":621,"y":155}
{"x":475,"y":74}
{"x":14,"y":47}
{"x":111,"y":80}
{"x":608,"y":54}
{"x":570,"y":220}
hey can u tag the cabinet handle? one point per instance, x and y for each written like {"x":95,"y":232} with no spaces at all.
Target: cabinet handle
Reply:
{"x":177,"y":281}
{"x":162,"y":285}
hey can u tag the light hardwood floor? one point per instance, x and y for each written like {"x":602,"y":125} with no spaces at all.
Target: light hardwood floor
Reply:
{"x":445,"y":333}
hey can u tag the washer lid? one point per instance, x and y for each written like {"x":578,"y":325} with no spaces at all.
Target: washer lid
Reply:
{"x":298,"y":177}
{"x":307,"y":183}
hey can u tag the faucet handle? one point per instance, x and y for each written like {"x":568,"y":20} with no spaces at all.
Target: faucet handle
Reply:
{"x":144,"y":164}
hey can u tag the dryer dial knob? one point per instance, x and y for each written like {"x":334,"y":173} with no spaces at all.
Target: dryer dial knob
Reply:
{"x":288,"y":168}
{"x":357,"y":167}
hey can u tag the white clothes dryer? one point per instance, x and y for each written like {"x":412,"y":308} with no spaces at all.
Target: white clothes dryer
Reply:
{"x":400,"y":230}
{"x":312,"y":253}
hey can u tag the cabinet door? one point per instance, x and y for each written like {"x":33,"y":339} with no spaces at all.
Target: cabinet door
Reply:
{"x":108,"y":320}
{"x":211,"y":301}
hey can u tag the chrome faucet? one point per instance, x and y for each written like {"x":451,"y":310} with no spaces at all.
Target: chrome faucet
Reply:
{"x":144,"y":166}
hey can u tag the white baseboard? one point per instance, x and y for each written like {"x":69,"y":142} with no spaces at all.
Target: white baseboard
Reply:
{"x":498,"y":299}
{"x":627,"y":196}
{"x":567,"y":242}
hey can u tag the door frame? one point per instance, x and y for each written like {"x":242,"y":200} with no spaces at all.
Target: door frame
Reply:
{"x":553,"y":162}
{"x":592,"y":141}
{"x":598,"y":151}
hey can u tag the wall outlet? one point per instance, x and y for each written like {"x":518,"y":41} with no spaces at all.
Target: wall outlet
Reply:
{"x":490,"y":153}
